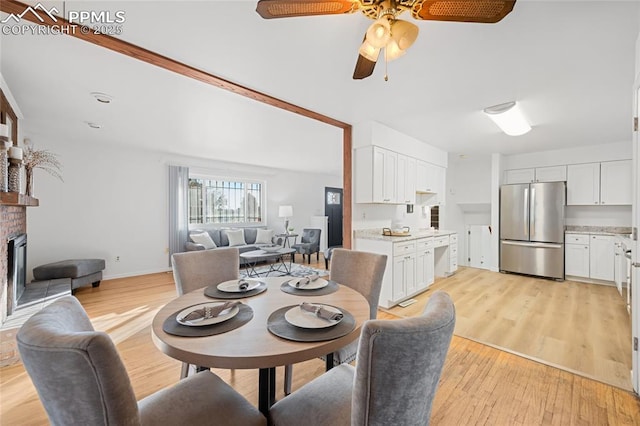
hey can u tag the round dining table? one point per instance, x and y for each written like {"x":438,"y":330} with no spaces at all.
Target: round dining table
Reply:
{"x":252,"y":345}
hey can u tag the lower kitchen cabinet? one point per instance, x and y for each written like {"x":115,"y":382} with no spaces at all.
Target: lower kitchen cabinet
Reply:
{"x":601,"y":257}
{"x":412,"y":265}
{"x":425,"y":265}
{"x":404,"y":276}
{"x":576,"y":260}
{"x":590,"y":256}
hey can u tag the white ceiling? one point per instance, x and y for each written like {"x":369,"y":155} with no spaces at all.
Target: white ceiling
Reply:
{"x":570,"y":64}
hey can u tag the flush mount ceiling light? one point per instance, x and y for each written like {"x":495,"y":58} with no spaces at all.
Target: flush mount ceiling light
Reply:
{"x":94,"y":125}
{"x":509,"y":118}
{"x":387,"y":31}
{"x":102,"y":97}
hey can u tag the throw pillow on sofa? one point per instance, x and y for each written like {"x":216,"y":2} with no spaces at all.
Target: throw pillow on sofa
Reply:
{"x":205,"y":239}
{"x":236,"y":237}
{"x":264,"y":236}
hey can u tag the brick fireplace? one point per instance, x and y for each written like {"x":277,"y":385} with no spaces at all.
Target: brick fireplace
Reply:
{"x":13,"y":222}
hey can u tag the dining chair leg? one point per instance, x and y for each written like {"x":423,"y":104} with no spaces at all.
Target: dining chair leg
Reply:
{"x":184,"y":371}
{"x":288,"y":372}
{"x":329,"y":362}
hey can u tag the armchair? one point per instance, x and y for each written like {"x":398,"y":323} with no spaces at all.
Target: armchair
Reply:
{"x":309,"y":244}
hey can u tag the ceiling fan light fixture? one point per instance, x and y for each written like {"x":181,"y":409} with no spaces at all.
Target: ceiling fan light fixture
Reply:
{"x":393,"y":51}
{"x":509,"y":118}
{"x":368,"y":51}
{"x":379,"y":33}
{"x":404,"y":34}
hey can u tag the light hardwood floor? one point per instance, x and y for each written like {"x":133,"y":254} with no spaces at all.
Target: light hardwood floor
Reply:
{"x":480,"y":385}
{"x":583,"y":328}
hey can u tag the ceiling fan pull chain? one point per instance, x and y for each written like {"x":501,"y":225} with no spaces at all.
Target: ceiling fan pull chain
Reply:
{"x":386,"y":66}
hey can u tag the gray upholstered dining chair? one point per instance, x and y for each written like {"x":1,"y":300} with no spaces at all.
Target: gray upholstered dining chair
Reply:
{"x":197,"y":269}
{"x":81,"y":379}
{"x":362,"y":272}
{"x":309,"y":244}
{"x":393,"y":383}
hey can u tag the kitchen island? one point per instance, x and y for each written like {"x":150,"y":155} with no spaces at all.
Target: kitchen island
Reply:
{"x":413,"y":261}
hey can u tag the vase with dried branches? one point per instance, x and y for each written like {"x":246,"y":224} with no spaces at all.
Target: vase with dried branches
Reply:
{"x":40,"y":159}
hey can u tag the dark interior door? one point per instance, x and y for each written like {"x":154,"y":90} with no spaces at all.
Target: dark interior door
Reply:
{"x":333,"y":210}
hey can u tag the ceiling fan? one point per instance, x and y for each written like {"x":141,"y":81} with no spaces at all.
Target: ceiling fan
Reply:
{"x":388,"y":32}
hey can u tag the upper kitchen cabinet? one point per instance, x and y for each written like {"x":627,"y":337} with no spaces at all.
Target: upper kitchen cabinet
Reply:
{"x":606,"y":183}
{"x":376,"y":173}
{"x":539,"y":174}
{"x":406,"y":180}
{"x":430,"y":180}
{"x":615,"y":182}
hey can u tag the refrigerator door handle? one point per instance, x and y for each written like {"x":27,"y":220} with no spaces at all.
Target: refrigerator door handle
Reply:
{"x":532,"y":214}
{"x":526,"y":244}
{"x":525,"y":212}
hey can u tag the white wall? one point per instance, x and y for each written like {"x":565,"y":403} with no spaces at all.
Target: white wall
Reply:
{"x":586,"y":154}
{"x":468,"y":200}
{"x":113,"y":202}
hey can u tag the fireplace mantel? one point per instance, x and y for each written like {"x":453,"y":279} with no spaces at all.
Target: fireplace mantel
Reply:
{"x":16,"y":199}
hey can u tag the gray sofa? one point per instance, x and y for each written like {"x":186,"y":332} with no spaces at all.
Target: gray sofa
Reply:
{"x":220,"y":238}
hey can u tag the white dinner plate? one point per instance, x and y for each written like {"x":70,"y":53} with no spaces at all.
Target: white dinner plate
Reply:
{"x":313,"y":285}
{"x":224,"y":315}
{"x":232,"y":286}
{"x":304,"y":319}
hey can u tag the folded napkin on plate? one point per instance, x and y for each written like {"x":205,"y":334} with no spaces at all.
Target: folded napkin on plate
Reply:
{"x":208,"y":312}
{"x":243,"y":284}
{"x":306,"y":280}
{"x":321,"y":311}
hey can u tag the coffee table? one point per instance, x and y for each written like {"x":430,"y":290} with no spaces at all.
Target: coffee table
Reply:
{"x":277,"y":257}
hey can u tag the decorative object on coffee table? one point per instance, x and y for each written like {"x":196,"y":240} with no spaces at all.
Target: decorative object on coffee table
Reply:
{"x":39,"y":159}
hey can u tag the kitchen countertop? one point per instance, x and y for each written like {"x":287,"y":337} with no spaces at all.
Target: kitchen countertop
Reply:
{"x":376,"y":234}
{"x":601,"y":230}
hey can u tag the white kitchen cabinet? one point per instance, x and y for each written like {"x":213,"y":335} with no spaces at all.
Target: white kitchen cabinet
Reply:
{"x":404,"y":269}
{"x":583,"y":184}
{"x":440,"y":184}
{"x":538,"y":174}
{"x":576,"y":255}
{"x":406,"y":180}
{"x":453,"y":254}
{"x":606,"y":183}
{"x":615,"y":182}
{"x":590,"y":256}
{"x":412,"y":265}
{"x":376,"y":173}
{"x":551,"y":174}
{"x":519,"y":176}
{"x":425,"y":268}
{"x":601,"y":257}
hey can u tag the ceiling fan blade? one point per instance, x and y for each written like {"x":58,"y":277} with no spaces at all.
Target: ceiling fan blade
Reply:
{"x":290,"y":8}
{"x":483,"y":11}
{"x":364,"y":68}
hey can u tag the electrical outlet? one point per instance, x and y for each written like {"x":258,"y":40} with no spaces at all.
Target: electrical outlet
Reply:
{"x":117,"y":258}
{"x":166,"y":250}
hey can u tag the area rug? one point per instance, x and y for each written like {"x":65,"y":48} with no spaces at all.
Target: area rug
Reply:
{"x":297,"y":270}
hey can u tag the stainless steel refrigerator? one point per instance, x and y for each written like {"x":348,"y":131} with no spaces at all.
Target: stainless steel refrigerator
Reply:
{"x":532,"y":229}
